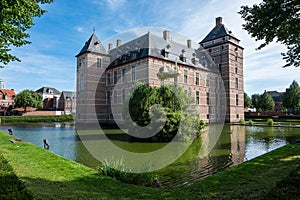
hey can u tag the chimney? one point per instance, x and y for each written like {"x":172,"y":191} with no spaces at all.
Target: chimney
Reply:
{"x":110,"y":46}
{"x":218,"y":21}
{"x":166,"y":35}
{"x":189,"y":43}
{"x":119,"y":43}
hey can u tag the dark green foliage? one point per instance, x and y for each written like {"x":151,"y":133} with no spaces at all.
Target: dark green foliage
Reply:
{"x":28,"y":98}
{"x":168,"y":104}
{"x":254,"y":100}
{"x":265,"y":102}
{"x":288,"y":188}
{"x":33,"y":119}
{"x":15,"y":18}
{"x":291,"y":98}
{"x":247,"y":101}
{"x":275,"y":21}
{"x":10,"y":185}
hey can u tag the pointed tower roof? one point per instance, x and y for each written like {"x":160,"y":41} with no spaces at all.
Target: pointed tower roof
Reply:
{"x":218,"y":31}
{"x":93,"y":45}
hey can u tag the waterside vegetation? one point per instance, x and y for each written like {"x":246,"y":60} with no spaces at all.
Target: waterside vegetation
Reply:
{"x":36,"y":119}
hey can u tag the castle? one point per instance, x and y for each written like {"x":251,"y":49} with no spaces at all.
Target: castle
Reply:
{"x":105,"y":77}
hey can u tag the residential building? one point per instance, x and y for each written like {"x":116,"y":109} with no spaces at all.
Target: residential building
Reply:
{"x":7,"y":97}
{"x":104,"y":78}
{"x":67,"y":102}
{"x":50,"y":97}
{"x":277,"y":98}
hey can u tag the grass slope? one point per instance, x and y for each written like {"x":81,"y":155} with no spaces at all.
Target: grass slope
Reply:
{"x":49,"y":176}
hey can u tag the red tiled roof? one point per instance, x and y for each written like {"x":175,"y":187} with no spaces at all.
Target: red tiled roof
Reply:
{"x":9,"y":92}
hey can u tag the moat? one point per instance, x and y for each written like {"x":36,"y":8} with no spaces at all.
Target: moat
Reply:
{"x":236,"y":144}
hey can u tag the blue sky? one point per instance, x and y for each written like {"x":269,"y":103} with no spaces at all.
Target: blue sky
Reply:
{"x":61,"y":33}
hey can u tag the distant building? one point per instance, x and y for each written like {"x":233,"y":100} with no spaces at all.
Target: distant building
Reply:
{"x":50,"y":97}
{"x":277,"y":98}
{"x":7,"y":98}
{"x":67,"y":102}
{"x":141,"y":60}
{"x":2,"y":83}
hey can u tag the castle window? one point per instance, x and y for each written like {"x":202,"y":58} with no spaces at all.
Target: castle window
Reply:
{"x":99,"y":62}
{"x":236,"y":56}
{"x":207,"y":116}
{"x":197,"y":98}
{"x":237,"y":116}
{"x":133,"y":73}
{"x":123,"y":95}
{"x":115,"y":77}
{"x":236,"y":83}
{"x":207,"y":81}
{"x":220,"y":67}
{"x":115,"y":97}
{"x":81,"y":82}
{"x":207,"y":98}
{"x":185,"y":76}
{"x":236,"y":69}
{"x":123,"y":75}
{"x":236,"y":99}
{"x":197,"y":78}
{"x":108,"y":79}
{"x":108,"y":97}
{"x":209,"y":51}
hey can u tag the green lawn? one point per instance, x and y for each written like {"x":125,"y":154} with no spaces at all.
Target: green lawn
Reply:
{"x":49,"y":176}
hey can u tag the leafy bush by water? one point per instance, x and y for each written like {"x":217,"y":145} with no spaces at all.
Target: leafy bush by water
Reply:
{"x":242,"y":121}
{"x":10,"y":185}
{"x":270,"y":122}
{"x":126,"y":175}
{"x":250,"y":122}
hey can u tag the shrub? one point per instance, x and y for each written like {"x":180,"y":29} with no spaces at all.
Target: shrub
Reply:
{"x":120,"y":172}
{"x":242,"y":121}
{"x":250,"y":122}
{"x":270,"y":122}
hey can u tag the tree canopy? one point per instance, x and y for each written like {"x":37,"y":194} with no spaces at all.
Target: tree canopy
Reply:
{"x":277,"y":20}
{"x":291,"y":98}
{"x":179,"y":120}
{"x":28,"y":98}
{"x":265,"y":102}
{"x":247,"y":101}
{"x":16,"y":16}
{"x":254,"y":100}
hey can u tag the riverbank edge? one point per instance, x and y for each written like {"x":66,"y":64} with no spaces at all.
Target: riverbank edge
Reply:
{"x":36,"y":119}
{"x":50,"y":176}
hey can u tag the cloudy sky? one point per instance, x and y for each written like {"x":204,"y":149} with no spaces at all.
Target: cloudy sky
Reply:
{"x":61,"y":33}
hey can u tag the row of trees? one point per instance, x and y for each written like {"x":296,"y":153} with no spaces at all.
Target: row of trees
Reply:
{"x":265,"y":102}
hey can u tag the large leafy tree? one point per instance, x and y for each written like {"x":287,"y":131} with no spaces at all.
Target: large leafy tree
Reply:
{"x":247,"y":101}
{"x":265,"y":102}
{"x":28,"y":98}
{"x":254,"y":100}
{"x":291,"y":98}
{"x":277,"y":20}
{"x":174,"y":110}
{"x":16,"y":16}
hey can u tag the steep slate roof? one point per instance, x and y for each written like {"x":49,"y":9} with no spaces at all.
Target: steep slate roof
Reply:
{"x":152,"y":45}
{"x":70,"y":94}
{"x":46,"y":90}
{"x":93,"y":45}
{"x":218,"y":32}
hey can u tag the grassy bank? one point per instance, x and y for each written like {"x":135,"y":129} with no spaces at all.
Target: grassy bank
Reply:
{"x":35,"y":119}
{"x":49,"y":176}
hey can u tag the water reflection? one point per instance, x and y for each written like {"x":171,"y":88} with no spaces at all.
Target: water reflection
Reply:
{"x":207,"y":155}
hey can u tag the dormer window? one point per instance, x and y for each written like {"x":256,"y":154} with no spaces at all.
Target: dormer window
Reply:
{"x":165,"y":53}
{"x":183,"y":58}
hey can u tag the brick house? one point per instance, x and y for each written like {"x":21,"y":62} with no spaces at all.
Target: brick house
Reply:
{"x":104,"y":78}
{"x":67,"y":102}
{"x":7,"y":97}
